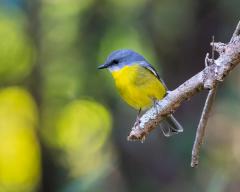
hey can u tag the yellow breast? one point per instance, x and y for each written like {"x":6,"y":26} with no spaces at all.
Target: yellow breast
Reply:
{"x":138,"y":86}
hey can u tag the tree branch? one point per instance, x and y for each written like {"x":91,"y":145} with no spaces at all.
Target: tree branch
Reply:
{"x":208,"y":78}
{"x":202,"y":126}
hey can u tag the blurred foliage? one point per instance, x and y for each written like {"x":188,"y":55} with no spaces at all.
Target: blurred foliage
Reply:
{"x":17,"y":51}
{"x":81,"y":133}
{"x":49,"y":51}
{"x":20,"y":168}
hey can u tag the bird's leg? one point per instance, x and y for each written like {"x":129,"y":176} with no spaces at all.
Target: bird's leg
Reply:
{"x":137,"y":122}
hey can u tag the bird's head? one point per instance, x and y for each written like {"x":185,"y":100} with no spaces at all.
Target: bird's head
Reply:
{"x":120,"y":58}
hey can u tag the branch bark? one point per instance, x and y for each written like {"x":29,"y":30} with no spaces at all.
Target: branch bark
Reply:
{"x":208,"y":78}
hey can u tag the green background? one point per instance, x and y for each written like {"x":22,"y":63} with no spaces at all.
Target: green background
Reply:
{"x":63,"y":126}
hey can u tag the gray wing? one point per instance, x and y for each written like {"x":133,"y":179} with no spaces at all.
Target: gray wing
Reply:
{"x":153,"y":71}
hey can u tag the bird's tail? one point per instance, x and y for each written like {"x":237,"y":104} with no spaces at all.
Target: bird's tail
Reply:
{"x":170,"y":126}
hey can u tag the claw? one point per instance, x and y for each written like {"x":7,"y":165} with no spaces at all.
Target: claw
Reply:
{"x":138,"y":121}
{"x":168,"y":91}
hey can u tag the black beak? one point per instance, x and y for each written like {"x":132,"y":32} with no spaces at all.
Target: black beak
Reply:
{"x":105,"y":65}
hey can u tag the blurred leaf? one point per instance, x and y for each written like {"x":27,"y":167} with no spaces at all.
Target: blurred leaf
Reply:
{"x":17,"y":104}
{"x":17,"y":52}
{"x":82,"y":130}
{"x":19,"y":148}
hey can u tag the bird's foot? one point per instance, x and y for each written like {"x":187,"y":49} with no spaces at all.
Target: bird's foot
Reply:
{"x":156,"y":105}
{"x":168,"y":91}
{"x":137,"y":122}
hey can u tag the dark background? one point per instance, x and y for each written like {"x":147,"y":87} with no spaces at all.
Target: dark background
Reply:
{"x":63,"y":126}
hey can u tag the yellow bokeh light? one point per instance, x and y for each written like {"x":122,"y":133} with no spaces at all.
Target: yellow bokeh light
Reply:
{"x":19,"y":148}
{"x":82,"y":130}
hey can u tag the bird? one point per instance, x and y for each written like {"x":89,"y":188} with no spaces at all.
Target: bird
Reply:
{"x":139,"y":85}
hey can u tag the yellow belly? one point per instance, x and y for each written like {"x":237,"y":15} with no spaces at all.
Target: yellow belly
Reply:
{"x":138,"y":86}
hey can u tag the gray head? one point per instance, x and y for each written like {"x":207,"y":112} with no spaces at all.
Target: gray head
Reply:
{"x":120,"y":58}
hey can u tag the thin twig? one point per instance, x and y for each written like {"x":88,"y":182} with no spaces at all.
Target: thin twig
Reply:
{"x":207,"y":60}
{"x":236,"y":32}
{"x":202,"y":127}
{"x":213,"y":49}
{"x":200,"y":133}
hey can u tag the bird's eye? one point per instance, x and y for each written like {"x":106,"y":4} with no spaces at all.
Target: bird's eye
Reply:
{"x":115,"y":61}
